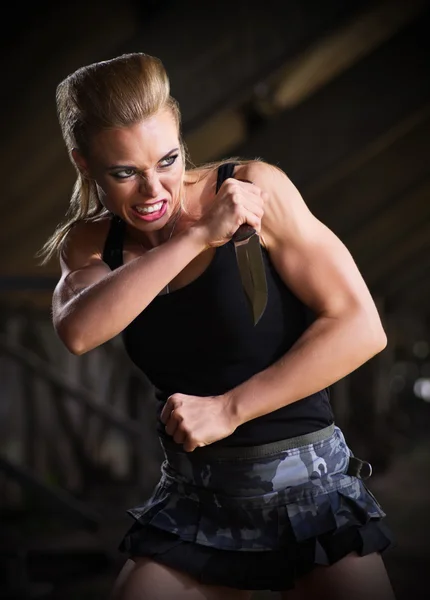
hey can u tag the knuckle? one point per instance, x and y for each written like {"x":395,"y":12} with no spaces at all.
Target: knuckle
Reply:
{"x":236,"y":198}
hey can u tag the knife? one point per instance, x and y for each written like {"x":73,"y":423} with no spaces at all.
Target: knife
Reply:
{"x":251,"y":268}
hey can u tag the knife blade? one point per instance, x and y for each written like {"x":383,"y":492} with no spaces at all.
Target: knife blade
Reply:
{"x":251,"y":268}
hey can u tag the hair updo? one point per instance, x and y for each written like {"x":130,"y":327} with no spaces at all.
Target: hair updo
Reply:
{"x":113,"y":93}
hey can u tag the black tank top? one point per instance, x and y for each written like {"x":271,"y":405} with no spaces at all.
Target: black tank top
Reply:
{"x":200,"y":340}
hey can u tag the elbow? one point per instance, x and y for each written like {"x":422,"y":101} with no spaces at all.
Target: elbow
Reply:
{"x":383,"y":340}
{"x":379,"y":341}
{"x":71,"y":338}
{"x":76,"y":349}
{"x":375,"y":336}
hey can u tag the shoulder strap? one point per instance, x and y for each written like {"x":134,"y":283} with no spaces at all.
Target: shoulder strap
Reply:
{"x":225,"y":171}
{"x":112,"y":251}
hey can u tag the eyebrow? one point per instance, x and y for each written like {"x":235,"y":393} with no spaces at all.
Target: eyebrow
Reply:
{"x":123,"y":166}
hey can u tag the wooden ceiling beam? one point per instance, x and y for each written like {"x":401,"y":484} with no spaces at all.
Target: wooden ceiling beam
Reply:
{"x":302,"y":76}
{"x":220,"y":134}
{"x":351,"y":111}
{"x":339,"y":50}
{"x":363,"y":174}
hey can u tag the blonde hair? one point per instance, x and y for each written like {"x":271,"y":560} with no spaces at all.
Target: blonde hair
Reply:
{"x":118,"y":92}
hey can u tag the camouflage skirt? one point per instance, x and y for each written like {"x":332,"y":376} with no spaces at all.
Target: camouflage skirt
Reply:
{"x":258,"y":517}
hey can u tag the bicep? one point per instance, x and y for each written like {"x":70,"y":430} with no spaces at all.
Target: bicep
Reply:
{"x":320,"y":270}
{"x":312,"y":261}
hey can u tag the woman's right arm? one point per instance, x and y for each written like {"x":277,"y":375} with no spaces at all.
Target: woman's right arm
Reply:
{"x":92,"y":304}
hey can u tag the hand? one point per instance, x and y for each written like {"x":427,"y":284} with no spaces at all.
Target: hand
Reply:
{"x":196,"y":421}
{"x":236,"y":203}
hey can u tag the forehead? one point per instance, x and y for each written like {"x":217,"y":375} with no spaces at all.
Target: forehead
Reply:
{"x":146,"y":141}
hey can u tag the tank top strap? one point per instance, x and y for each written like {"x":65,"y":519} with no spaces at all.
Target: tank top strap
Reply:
{"x":112,"y":251}
{"x":225,"y":171}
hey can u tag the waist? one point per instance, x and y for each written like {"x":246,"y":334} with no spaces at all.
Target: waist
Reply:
{"x":249,"y":452}
{"x":311,"y":461}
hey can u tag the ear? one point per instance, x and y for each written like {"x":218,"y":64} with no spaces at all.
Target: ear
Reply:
{"x":81,"y":163}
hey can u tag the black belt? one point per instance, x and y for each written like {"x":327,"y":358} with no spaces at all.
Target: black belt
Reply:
{"x":356,"y":467}
{"x":261,"y":451}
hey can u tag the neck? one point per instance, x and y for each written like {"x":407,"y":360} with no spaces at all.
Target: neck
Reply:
{"x":156,"y":238}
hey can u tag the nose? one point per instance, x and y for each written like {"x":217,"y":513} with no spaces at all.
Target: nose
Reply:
{"x":150,"y":185}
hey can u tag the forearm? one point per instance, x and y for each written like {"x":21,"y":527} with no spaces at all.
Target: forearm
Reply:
{"x":102,"y":310}
{"x":327,"y":351}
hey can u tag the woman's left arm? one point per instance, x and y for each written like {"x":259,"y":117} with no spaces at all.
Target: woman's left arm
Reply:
{"x":320,"y":271}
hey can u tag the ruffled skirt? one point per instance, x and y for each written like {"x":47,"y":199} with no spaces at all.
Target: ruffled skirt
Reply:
{"x":260,"y":517}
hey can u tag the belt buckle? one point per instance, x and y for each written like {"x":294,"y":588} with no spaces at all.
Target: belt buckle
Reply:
{"x":367,"y":467}
{"x":359,"y":468}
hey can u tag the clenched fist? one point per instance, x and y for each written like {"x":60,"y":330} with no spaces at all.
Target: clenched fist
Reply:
{"x":196,"y":421}
{"x":237,"y":202}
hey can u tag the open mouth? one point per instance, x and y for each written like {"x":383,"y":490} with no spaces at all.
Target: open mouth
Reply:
{"x":151,"y":212}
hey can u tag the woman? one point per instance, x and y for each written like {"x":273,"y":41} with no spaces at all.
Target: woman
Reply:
{"x":259,"y":489}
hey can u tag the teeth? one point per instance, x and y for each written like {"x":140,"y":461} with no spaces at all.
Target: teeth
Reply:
{"x":149,"y":209}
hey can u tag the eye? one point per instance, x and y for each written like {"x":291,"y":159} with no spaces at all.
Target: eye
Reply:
{"x":168,"y":162}
{"x":124,"y":173}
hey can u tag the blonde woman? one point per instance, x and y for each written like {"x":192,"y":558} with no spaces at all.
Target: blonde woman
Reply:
{"x":258,"y":489}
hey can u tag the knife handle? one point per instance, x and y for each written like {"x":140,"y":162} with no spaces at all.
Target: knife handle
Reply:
{"x":245,"y":231}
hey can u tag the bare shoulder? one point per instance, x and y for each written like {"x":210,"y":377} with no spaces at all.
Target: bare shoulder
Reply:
{"x":286,"y":214}
{"x":258,"y":169}
{"x":84,"y":243}
{"x":270,"y":178}
{"x":81,"y":261}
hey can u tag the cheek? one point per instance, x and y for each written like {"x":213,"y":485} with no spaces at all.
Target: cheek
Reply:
{"x":112,"y":196}
{"x":112,"y":189}
{"x":172,"y":182}
{"x":174,"y":178}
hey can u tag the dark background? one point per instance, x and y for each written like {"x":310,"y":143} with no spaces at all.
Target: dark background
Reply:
{"x":337,"y":94}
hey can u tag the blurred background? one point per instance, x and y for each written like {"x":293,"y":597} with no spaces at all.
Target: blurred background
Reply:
{"x":338,"y":95}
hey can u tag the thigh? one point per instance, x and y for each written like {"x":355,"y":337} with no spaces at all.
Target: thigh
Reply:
{"x":353,"y":577}
{"x":144,"y":579}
